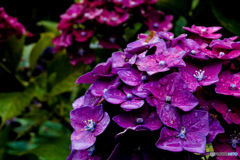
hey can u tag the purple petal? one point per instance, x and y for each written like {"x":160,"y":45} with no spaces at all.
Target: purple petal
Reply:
{"x":168,"y":141}
{"x":103,"y":69}
{"x":195,"y":142}
{"x":150,"y":65}
{"x":114,"y":96}
{"x":78,"y":102}
{"x":130,"y":77}
{"x":196,"y":121}
{"x":191,"y":82}
{"x":211,"y":71}
{"x":101,"y":84}
{"x":82,"y":139}
{"x":214,"y":130}
{"x":184,"y":100}
{"x":102,"y":125}
{"x":169,"y":116}
{"x":90,"y":100}
{"x":156,"y":89}
{"x":234,"y":117}
{"x":220,"y":106}
{"x":79,"y":116}
{"x":132,"y":104}
{"x":86,"y":78}
{"x":152,"y":121}
{"x":140,"y":91}
{"x":125,"y":120}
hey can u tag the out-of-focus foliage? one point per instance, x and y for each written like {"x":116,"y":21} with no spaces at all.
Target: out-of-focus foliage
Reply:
{"x":37,"y":87}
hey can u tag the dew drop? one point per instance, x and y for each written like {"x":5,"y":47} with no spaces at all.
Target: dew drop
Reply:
{"x":167,"y":107}
{"x":196,"y":114}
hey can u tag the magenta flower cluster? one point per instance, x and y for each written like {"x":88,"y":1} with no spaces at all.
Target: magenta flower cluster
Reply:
{"x":10,"y":26}
{"x":183,"y":88}
{"x":102,"y":19}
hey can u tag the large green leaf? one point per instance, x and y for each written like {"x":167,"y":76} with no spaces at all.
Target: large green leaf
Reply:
{"x":44,"y":41}
{"x":53,"y":149}
{"x":12,"y":51}
{"x":176,"y":6}
{"x":225,"y":14}
{"x":62,"y":75}
{"x":49,"y":26}
{"x":12,"y":104}
{"x":4,"y":137}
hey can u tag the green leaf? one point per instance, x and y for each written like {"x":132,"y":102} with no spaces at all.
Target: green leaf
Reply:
{"x":53,"y":149}
{"x":130,"y":32}
{"x":63,"y":75}
{"x":4,"y":137}
{"x":178,"y":28}
{"x":13,"y":103}
{"x":44,"y":41}
{"x":49,"y":26}
{"x":194,"y":4}
{"x":229,"y":21}
{"x":12,"y":51}
{"x":176,"y":6}
{"x":41,"y":87}
{"x":52,"y":129}
{"x":25,"y":57}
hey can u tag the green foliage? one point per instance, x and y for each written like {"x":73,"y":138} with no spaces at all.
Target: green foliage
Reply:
{"x":230,"y":22}
{"x":44,"y":41}
{"x":53,"y":148}
{"x":49,"y":26}
{"x":12,"y":104}
{"x":12,"y":51}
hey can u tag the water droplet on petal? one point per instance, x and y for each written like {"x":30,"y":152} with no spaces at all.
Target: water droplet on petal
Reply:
{"x":167,"y":107}
{"x":196,"y":114}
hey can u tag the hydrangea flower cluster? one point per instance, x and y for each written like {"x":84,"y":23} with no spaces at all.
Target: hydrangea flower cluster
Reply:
{"x":10,"y":26}
{"x":102,"y":19}
{"x":162,"y":95}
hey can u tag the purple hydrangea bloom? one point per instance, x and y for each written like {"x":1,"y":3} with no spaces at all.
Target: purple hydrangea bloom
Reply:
{"x":196,"y":76}
{"x":112,"y":18}
{"x":62,"y":41}
{"x":10,"y":26}
{"x":205,"y":32}
{"x":87,"y":123}
{"x":169,"y":36}
{"x":138,"y":120}
{"x":193,"y":49}
{"x":101,"y":77}
{"x":122,"y":60}
{"x":228,"y":84}
{"x":127,"y":100}
{"x":222,"y":108}
{"x":161,"y":61}
{"x":145,"y":42}
{"x":214,"y":129}
{"x":187,"y":131}
{"x":132,"y":3}
{"x":84,"y":154}
{"x":158,"y":21}
{"x":82,"y":35}
{"x":172,"y":89}
{"x":234,"y":115}
{"x":223,"y":49}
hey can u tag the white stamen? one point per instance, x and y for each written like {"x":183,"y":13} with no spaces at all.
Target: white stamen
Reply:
{"x":199,"y":75}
